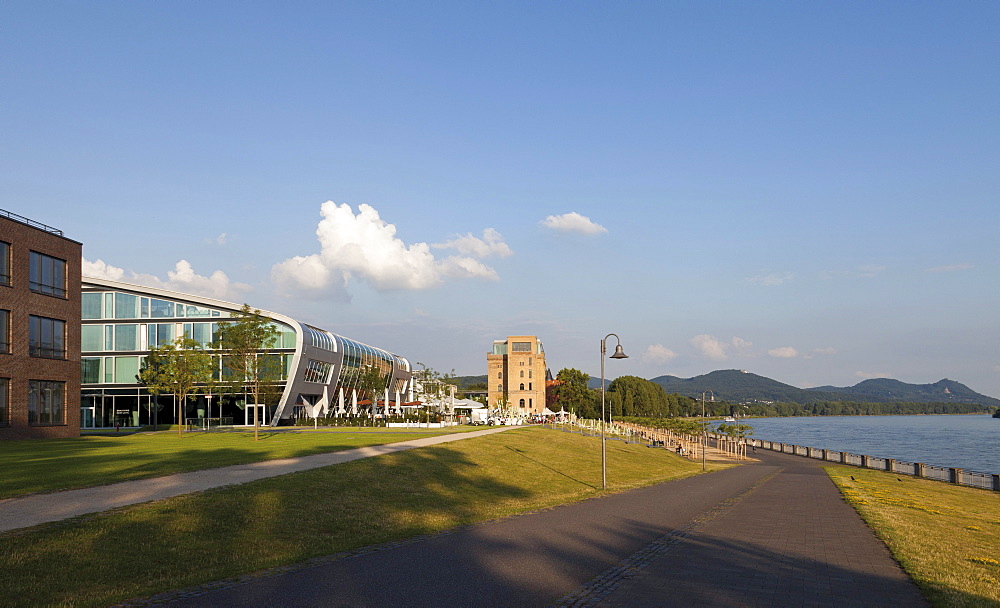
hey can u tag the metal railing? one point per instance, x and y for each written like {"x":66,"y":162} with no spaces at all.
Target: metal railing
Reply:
{"x":29,"y":222}
{"x":974,"y":479}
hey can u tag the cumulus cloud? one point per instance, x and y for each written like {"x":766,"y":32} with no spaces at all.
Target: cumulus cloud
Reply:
{"x":364,"y":247}
{"x":573,"y":222}
{"x":770,"y":279}
{"x":783,"y":352}
{"x":869,"y":375}
{"x":657,"y":353}
{"x":492,"y":243}
{"x":182,"y":278}
{"x":951,"y":268}
{"x":716,"y":349}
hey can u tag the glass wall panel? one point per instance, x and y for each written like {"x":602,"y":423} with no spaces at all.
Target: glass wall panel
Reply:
{"x":202,"y":333}
{"x":160,"y":309}
{"x":126,"y":337}
{"x":126,"y":369}
{"x":90,"y":370}
{"x":126,"y":306}
{"x":160,"y":334}
{"x":198,"y":311}
{"x":109,"y":305}
{"x":109,"y":370}
{"x":46,"y":337}
{"x":144,"y":308}
{"x":90,"y":305}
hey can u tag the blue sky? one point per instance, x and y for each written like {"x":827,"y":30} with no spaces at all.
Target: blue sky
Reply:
{"x":808,"y":191}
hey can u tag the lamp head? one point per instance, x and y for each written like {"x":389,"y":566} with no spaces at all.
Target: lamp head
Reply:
{"x":619,"y":353}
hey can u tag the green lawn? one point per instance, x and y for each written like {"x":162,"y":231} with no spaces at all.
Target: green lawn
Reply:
{"x":46,"y":465}
{"x":946,"y":537}
{"x":222,"y":533}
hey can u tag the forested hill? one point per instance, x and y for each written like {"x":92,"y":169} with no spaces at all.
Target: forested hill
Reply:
{"x":737,"y":386}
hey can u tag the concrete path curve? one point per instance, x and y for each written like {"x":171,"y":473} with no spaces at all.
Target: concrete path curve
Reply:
{"x":23,"y":512}
{"x":772,"y":533}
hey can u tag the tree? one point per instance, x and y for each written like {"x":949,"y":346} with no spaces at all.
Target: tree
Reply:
{"x":246,"y":368}
{"x":371,"y":381}
{"x":180,"y":368}
{"x":572,"y":394}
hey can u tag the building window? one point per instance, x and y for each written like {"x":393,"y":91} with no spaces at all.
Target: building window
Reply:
{"x":529,"y":387}
{"x":522,"y":404}
{"x":4,"y":263}
{"x":46,"y":402}
{"x":317,"y":371}
{"x":91,"y":305}
{"x":4,"y":401}
{"x":499,"y":375}
{"x":90,"y":370}
{"x":4,"y":331}
{"x":46,"y":337}
{"x":521,"y":347}
{"x":522,"y":373}
{"x":47,"y":275}
{"x":522,"y":386}
{"x":500,"y":388}
{"x":529,"y":373}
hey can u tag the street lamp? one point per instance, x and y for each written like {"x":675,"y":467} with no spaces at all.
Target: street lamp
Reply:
{"x":704,"y":428}
{"x":619,"y":354}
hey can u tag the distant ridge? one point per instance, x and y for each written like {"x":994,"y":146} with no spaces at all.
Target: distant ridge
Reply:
{"x":739,"y":386}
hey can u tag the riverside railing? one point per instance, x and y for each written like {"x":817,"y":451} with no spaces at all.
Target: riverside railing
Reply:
{"x":974,"y":479}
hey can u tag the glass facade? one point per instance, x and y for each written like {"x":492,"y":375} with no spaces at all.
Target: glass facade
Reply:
{"x":121,"y":325}
{"x":47,"y":275}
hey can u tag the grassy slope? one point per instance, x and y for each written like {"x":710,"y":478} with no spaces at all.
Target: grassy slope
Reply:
{"x":46,"y":465}
{"x":222,"y":533}
{"x":946,"y":537}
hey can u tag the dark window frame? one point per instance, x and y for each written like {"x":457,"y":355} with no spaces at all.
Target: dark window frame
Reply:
{"x":54,"y":347}
{"x":42,"y":412}
{"x":47,"y":275}
{"x":4,"y":263}
{"x":4,"y":331}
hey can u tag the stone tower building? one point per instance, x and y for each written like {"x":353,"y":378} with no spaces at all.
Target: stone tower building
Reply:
{"x":516,"y":375}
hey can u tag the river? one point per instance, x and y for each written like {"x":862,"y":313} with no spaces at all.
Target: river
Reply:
{"x":970,"y":442}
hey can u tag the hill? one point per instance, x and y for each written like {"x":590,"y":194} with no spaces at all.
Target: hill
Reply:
{"x":744,"y":387}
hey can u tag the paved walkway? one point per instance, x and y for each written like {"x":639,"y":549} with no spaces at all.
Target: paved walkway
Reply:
{"x":772,"y":533}
{"x":42,"y":508}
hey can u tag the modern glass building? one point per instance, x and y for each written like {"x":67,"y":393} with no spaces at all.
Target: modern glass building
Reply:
{"x":121,"y":322}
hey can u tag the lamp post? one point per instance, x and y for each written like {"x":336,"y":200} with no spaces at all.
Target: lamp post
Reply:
{"x":619,"y":354}
{"x":704,"y":428}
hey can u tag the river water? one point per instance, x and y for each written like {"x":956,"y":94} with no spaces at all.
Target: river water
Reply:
{"x":970,"y":442}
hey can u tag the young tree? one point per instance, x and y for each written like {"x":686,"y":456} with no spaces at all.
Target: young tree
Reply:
{"x":371,"y":382}
{"x":180,"y":368}
{"x":246,"y":367}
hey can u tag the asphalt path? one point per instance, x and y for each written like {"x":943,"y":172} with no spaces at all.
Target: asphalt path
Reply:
{"x":772,"y":533}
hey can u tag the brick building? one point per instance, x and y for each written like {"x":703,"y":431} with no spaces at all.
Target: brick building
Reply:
{"x":516,"y":375}
{"x":39,"y":330}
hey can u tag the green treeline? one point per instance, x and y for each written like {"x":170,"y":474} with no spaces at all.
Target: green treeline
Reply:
{"x":631,"y":396}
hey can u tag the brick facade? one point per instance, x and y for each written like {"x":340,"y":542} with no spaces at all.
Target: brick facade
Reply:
{"x":517,"y":373}
{"x":24,"y":237}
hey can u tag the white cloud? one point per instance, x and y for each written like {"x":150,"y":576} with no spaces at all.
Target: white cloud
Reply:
{"x":783,"y":352}
{"x":492,"y":243}
{"x":366,"y":248}
{"x":770,"y":280}
{"x":182,"y":278}
{"x":825,"y":351}
{"x":102,"y":270}
{"x":952,"y":268}
{"x":657,"y":353}
{"x":710,"y":347}
{"x":869,"y":375}
{"x":716,"y":349}
{"x":870,"y":271}
{"x":573,"y":222}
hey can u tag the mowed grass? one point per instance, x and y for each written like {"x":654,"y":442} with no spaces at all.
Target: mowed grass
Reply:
{"x":946,"y":537}
{"x":183,"y":541}
{"x":47,"y":465}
